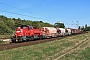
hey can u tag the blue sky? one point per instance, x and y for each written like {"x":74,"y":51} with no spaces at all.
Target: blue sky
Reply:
{"x":66,"y":11}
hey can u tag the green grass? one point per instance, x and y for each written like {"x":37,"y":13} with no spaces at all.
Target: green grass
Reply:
{"x":43,"y":51}
{"x":83,"y":55}
{"x":86,"y":54}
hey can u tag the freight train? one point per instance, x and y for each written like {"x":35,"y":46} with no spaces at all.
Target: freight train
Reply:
{"x":26,"y":33}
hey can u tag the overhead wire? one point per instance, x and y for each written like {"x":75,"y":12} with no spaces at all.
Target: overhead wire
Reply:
{"x":13,"y":7}
{"x":20,"y":14}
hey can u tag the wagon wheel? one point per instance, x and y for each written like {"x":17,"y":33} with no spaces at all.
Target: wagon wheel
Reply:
{"x":32,"y":38}
{"x":40,"y":37}
{"x":13,"y":40}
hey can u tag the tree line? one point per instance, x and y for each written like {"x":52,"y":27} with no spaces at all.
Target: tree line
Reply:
{"x":84,"y":28}
{"x":8,"y":25}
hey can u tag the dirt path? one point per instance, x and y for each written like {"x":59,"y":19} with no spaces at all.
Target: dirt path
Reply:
{"x":72,"y":49}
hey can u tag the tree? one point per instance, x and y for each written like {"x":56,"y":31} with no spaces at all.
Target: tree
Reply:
{"x":4,"y":28}
{"x":79,"y":27}
{"x":86,"y":27}
{"x":59,"y":25}
{"x":48,"y":25}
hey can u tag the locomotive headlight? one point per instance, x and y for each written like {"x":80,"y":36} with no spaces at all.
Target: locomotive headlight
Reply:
{"x":18,"y":31}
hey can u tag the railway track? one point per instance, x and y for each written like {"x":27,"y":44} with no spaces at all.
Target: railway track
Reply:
{"x":15,"y":45}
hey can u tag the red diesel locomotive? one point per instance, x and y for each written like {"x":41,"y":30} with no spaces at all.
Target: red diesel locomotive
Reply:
{"x":24,"y":33}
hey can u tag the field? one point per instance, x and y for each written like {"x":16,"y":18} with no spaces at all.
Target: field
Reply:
{"x":5,"y":36}
{"x":70,"y":48}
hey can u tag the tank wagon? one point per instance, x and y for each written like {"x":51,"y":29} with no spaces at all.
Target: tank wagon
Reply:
{"x":25,"y":32}
{"x":73,"y":31}
{"x":69,"y":31}
{"x":76,"y":31}
{"x":61,"y":31}
{"x":49,"y":32}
